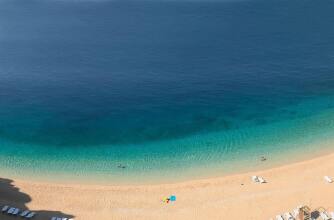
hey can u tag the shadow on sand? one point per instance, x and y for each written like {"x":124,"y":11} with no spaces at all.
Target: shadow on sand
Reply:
{"x":12,"y":196}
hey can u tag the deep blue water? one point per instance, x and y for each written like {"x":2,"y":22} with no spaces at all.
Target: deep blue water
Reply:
{"x":144,"y":83}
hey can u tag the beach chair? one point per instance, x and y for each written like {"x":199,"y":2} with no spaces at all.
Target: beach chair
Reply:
{"x":11,"y":210}
{"x":295,"y":213}
{"x":279,"y":217}
{"x":255,"y":179}
{"x":5,"y":208}
{"x":16,"y":211}
{"x":332,"y":215}
{"x":261,"y":180}
{"x":324,"y":216}
{"x":288,"y":216}
{"x":24,"y":213}
{"x":328,"y":179}
{"x":31,"y":215}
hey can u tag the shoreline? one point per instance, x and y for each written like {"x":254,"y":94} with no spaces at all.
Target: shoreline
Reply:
{"x":213,"y":198}
{"x":321,"y":156}
{"x":281,"y":160}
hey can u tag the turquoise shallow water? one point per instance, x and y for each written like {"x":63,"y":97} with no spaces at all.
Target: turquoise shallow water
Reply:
{"x":171,"y":90}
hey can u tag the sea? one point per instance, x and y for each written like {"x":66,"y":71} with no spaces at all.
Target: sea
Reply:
{"x":146,"y":91}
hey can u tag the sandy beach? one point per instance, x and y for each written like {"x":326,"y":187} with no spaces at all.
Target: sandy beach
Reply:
{"x":230,"y":197}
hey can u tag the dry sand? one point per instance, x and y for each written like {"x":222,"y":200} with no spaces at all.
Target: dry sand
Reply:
{"x":230,"y":197}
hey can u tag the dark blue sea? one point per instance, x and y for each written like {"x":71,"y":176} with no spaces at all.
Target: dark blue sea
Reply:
{"x":135,"y":90}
